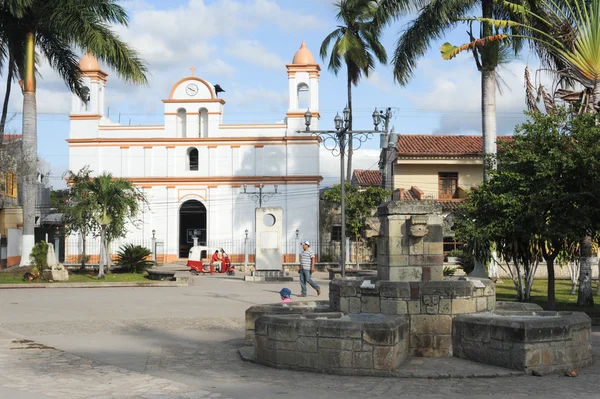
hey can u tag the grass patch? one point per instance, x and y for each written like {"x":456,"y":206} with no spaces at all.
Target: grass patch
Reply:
{"x":539,"y":295}
{"x":16,"y":277}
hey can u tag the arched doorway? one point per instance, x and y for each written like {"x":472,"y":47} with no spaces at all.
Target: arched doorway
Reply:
{"x":192,"y":220}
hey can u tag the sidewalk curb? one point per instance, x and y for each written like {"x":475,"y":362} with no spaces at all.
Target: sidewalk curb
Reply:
{"x":92,"y":285}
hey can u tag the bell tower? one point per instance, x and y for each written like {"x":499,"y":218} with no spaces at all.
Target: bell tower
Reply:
{"x":95,"y":82}
{"x":303,"y":83}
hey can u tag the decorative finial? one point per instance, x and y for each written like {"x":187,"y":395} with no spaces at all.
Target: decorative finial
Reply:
{"x":192,"y":69}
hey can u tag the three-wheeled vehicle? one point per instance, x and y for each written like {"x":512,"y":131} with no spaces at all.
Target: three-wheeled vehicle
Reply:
{"x":198,"y":267}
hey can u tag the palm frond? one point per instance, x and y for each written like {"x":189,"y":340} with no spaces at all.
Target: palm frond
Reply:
{"x":434,"y":20}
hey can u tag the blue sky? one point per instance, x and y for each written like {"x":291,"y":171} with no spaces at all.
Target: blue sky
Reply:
{"x":243,"y":45}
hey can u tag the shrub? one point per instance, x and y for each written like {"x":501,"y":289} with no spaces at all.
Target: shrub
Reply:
{"x":39,"y":255}
{"x":455,"y":253}
{"x":134,"y":258}
{"x":449,"y":271}
{"x":325,"y":258}
{"x":466,"y":262}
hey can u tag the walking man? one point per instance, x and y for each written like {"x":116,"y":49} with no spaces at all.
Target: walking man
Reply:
{"x":307,"y":267}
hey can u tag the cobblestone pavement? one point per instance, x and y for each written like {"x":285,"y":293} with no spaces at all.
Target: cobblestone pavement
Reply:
{"x":138,"y":343}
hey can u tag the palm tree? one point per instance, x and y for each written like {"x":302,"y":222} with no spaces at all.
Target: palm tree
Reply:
{"x":77,"y":216}
{"x":435,"y":18}
{"x":356,"y":42}
{"x":568,"y":31}
{"x":12,"y":51}
{"x":110,"y":203}
{"x":57,"y":28}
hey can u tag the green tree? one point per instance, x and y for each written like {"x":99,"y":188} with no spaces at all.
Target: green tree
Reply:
{"x":568,"y":32}
{"x":541,"y":198}
{"x":435,"y":18}
{"x":360,"y":204}
{"x":111,"y":203}
{"x":356,"y":44}
{"x":56,"y":28}
{"x":76,"y":215}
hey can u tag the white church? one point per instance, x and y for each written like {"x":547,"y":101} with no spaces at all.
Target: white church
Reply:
{"x":194,"y":168}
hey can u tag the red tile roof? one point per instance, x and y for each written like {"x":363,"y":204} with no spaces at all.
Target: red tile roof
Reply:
{"x":367,"y":178}
{"x":430,"y":144}
{"x":11,"y":137}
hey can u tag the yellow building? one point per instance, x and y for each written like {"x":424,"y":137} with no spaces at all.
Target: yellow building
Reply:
{"x":437,"y":167}
{"x":440,"y":168}
{"x":11,"y":213}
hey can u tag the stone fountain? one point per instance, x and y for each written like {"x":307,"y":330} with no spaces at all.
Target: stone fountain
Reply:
{"x":372,"y":326}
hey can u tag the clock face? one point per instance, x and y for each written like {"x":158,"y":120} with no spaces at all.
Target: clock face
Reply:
{"x":191,"y":89}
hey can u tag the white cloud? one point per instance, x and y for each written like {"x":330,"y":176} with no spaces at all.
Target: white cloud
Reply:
{"x":377,"y":81}
{"x":454,"y":95}
{"x":253,"y":52}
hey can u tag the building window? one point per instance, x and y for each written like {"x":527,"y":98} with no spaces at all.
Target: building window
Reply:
{"x":11,"y":185}
{"x":336,"y":233}
{"x":303,"y":96}
{"x":448,"y":185}
{"x":203,"y":122}
{"x":181,"y":122}
{"x":193,"y":158}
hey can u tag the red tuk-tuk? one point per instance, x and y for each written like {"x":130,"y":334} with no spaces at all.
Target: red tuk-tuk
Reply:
{"x":198,"y":267}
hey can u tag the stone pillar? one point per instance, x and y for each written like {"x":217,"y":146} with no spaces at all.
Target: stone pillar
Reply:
{"x":411,"y":240}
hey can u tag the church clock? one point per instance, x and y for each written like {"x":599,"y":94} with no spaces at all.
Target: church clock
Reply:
{"x":191,"y":89}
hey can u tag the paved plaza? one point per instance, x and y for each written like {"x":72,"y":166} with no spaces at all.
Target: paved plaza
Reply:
{"x":182,"y":342}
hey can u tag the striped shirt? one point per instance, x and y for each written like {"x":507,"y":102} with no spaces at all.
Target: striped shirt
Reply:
{"x":306,"y":259}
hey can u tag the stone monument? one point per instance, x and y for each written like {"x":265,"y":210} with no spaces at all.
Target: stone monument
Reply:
{"x":269,"y":250}
{"x":55,"y":270}
{"x":373,"y":325}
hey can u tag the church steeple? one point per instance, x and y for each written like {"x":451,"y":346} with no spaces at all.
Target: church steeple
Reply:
{"x":95,"y":81}
{"x":303,"y":78}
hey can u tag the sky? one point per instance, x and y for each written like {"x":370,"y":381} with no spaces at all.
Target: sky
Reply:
{"x":244,"y":45}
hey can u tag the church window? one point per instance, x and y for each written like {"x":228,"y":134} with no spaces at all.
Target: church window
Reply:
{"x":203,"y":122}
{"x":181,"y":122}
{"x":303,"y":96}
{"x":193,"y":158}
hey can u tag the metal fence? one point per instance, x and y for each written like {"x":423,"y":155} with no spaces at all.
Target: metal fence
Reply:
{"x":74,"y":249}
{"x":239,"y":250}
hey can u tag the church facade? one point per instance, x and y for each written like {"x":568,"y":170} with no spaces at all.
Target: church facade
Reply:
{"x":194,"y":168}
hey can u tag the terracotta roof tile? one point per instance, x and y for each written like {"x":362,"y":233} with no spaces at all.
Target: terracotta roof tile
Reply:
{"x":367,"y":178}
{"x":11,"y":137}
{"x":430,"y":144}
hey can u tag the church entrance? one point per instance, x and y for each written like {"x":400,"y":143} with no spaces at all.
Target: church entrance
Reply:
{"x":192,"y":221}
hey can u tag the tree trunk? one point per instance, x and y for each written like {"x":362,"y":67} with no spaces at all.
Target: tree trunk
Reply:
{"x":29,"y":152}
{"x":488,"y":120}
{"x":488,"y":93}
{"x":108,"y":255}
{"x":585,"y":297}
{"x":574,"y":273}
{"x":102,"y":253}
{"x":349,"y":141}
{"x":83,"y":249}
{"x":551,"y":292}
{"x":9,"y":80}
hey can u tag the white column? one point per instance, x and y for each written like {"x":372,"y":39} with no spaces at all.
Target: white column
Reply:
{"x":125,"y":161}
{"x":293,"y":93}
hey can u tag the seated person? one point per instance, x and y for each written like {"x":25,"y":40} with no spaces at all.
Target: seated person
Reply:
{"x":216,"y":261}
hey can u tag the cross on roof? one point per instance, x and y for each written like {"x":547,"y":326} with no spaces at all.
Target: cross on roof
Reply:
{"x":192,"y":69}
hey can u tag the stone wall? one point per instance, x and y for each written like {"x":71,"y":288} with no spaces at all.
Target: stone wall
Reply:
{"x":333,"y":343}
{"x":544,"y":342}
{"x":301,"y":307}
{"x":429,"y":305}
{"x":410,"y":245}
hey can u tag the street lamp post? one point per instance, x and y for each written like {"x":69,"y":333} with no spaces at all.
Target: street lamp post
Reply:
{"x":335,"y":142}
{"x":260,"y":195}
{"x":388,"y":149}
